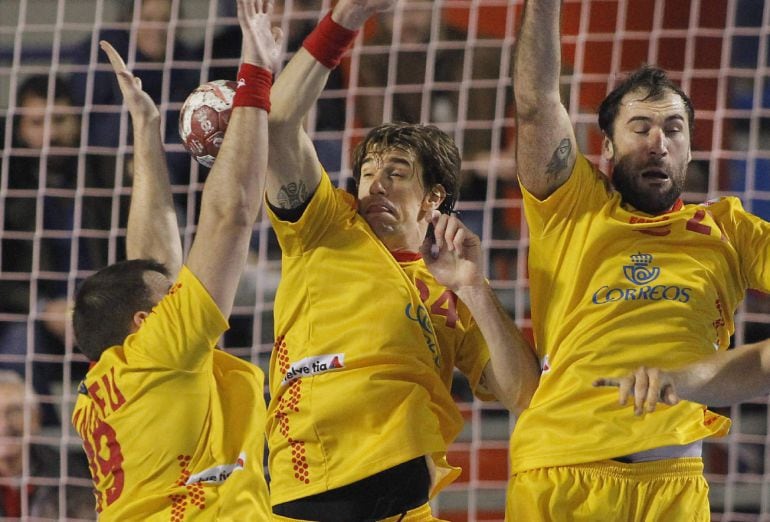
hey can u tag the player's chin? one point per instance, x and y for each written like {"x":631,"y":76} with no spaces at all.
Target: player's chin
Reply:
{"x":377,"y":217}
{"x":381,"y":223}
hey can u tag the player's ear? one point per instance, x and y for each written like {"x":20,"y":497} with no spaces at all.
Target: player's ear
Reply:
{"x":138,"y":319}
{"x":608,"y":150}
{"x":435,"y":196}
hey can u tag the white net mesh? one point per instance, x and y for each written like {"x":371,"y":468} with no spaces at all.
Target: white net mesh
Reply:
{"x":64,"y":183}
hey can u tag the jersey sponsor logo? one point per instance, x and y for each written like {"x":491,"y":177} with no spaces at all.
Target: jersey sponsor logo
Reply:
{"x":420,"y":315}
{"x":314,"y":366}
{"x":217,"y":474}
{"x":661,"y":230}
{"x":641,"y":272}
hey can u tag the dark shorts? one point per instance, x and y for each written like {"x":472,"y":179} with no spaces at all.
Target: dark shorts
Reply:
{"x":386,"y":494}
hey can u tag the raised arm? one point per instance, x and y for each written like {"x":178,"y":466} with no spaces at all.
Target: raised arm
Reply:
{"x":233,"y":191}
{"x":295,"y":170}
{"x":152,"y":230}
{"x":545,"y":140}
{"x":455,"y":261}
{"x":719,"y":380}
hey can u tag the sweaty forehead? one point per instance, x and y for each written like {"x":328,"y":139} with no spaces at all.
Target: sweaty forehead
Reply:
{"x":667,"y":104}
{"x":385,"y":154}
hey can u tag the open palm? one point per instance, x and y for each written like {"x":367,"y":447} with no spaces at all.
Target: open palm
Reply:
{"x":138,"y":102}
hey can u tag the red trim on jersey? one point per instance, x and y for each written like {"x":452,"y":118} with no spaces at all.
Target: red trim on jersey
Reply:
{"x":678,"y":204}
{"x":404,"y":257}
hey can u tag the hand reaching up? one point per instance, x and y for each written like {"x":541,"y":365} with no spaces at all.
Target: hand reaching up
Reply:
{"x":352,"y":14}
{"x":261,"y":41}
{"x":139,"y":104}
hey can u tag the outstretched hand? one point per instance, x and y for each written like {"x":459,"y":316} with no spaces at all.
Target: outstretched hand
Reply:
{"x":261,"y":41}
{"x":352,"y":14}
{"x":648,"y":387}
{"x":454,"y":256}
{"x":138,"y":102}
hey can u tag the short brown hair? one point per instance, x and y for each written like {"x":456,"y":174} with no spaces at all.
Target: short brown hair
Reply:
{"x":106,"y":302}
{"x":437,"y":152}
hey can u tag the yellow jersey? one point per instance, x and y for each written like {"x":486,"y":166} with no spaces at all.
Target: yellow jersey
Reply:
{"x":365,"y":348}
{"x":612,"y":289}
{"x":174,"y":428}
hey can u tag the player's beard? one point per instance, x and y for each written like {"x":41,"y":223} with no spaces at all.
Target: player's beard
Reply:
{"x":626,"y":177}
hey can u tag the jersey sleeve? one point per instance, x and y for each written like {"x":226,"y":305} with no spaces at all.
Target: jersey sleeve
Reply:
{"x":183,"y":328}
{"x":327,"y":206}
{"x":750,"y":235}
{"x":586,"y":189}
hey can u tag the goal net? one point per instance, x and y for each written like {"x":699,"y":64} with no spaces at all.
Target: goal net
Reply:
{"x":66,"y":168}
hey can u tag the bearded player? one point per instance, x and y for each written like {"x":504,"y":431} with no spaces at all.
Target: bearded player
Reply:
{"x":172,"y":427}
{"x":622,"y":274}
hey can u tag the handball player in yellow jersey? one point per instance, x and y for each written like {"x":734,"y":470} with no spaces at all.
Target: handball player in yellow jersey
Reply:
{"x":622,"y":275}
{"x":173,"y":428}
{"x":370,"y":317}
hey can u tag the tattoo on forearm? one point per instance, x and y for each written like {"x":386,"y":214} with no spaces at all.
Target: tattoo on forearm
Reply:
{"x":559,"y":159}
{"x":292,"y":195}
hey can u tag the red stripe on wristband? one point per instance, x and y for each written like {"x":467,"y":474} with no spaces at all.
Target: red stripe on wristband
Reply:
{"x":253,"y":89}
{"x":329,"y":41}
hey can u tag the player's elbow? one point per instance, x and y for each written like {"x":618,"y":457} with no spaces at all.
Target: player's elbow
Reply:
{"x":521,"y":399}
{"x":514,"y":394}
{"x":282,"y":120}
{"x":535,"y":107}
{"x":236,"y":211}
{"x":513,"y":404}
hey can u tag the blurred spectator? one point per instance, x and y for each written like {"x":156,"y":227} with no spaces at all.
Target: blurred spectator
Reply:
{"x":38,"y":214}
{"x":152,"y":65}
{"x":32,"y":478}
{"x":412,"y":24}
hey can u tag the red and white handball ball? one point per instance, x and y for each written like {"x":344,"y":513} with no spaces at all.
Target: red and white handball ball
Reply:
{"x":204,"y":117}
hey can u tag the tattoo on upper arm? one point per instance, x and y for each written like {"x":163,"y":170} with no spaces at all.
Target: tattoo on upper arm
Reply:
{"x":292,"y":195}
{"x":559,"y":158}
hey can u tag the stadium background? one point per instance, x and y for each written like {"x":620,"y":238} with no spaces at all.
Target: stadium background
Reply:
{"x":445,"y":62}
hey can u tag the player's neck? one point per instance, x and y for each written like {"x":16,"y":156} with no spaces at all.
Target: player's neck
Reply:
{"x":678,"y":204}
{"x":408,"y":241}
